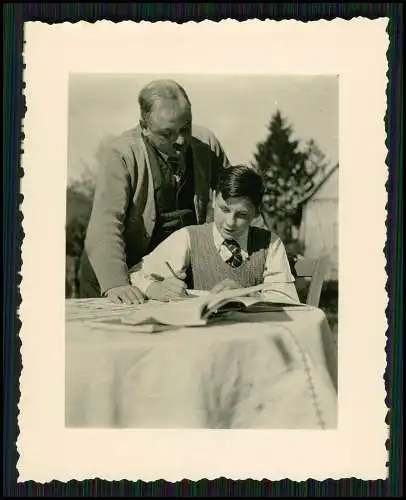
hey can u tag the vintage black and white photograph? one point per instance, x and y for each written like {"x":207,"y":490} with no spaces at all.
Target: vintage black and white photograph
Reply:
{"x":202,"y":251}
{"x":202,"y":267}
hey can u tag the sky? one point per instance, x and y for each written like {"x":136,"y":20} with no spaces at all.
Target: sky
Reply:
{"x":238,"y":109}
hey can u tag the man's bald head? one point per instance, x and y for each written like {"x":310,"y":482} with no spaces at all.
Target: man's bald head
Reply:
{"x":162,"y":92}
{"x":166,"y":116}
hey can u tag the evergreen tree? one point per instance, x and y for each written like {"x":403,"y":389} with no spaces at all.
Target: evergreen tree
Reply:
{"x":289,"y":173}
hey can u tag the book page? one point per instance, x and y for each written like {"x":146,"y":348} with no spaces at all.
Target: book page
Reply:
{"x":215,"y":299}
{"x":185,"y":312}
{"x":117,"y":325}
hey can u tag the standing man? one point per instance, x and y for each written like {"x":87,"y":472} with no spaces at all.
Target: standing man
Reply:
{"x":154,"y":179}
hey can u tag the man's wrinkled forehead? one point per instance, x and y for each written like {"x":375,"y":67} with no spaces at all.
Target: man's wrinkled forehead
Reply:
{"x":169,"y":114}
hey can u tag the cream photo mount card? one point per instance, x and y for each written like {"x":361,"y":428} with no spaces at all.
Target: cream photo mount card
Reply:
{"x":354,"y":51}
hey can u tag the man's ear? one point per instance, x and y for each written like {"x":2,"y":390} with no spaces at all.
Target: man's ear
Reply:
{"x":213,"y":200}
{"x":259,"y":210}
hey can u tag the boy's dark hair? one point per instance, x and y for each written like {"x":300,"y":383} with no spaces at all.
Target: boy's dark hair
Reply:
{"x":241,"y":181}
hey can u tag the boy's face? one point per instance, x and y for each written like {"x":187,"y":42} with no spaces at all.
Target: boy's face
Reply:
{"x":233,"y":216}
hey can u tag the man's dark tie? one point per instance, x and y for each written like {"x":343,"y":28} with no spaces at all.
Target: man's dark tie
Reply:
{"x":236,"y":258}
{"x":176,"y":166}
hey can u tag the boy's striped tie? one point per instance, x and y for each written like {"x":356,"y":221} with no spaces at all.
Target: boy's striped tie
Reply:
{"x":236,"y":258}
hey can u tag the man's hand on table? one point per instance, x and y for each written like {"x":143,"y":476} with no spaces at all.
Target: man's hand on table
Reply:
{"x":125,"y":294}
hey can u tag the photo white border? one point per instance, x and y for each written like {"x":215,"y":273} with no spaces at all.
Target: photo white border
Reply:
{"x":356,"y":51}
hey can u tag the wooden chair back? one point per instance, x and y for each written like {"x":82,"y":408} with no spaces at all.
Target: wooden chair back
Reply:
{"x":315,"y":270}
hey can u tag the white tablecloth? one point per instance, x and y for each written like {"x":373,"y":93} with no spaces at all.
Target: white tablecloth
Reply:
{"x":273,"y":370}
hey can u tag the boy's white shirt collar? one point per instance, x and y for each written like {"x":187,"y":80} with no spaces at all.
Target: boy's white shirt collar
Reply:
{"x":219,"y":240}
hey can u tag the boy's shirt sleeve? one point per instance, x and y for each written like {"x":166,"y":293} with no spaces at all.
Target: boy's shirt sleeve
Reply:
{"x":278,"y":273}
{"x":175,"y":249}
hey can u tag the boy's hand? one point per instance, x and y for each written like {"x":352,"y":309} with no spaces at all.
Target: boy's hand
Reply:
{"x":126,"y":294}
{"x":226,"y":284}
{"x":166,"y":290}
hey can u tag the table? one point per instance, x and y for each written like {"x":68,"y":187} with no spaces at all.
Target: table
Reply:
{"x":260,"y":371}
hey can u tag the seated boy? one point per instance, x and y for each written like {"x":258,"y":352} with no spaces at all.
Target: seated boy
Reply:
{"x":224,"y":254}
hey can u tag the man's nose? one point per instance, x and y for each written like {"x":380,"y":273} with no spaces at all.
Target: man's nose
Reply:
{"x":180,"y":141}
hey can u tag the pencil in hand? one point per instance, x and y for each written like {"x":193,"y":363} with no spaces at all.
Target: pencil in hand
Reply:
{"x":174,"y":274}
{"x":156,"y":277}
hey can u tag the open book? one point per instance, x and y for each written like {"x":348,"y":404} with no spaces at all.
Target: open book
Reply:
{"x":201,"y":309}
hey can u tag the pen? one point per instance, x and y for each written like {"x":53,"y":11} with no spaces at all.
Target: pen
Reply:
{"x":173,"y":272}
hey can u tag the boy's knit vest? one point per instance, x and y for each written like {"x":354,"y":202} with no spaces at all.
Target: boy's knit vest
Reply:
{"x":208,"y":268}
